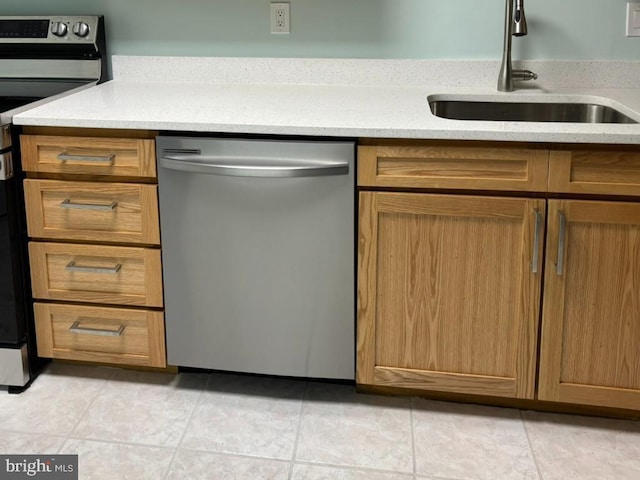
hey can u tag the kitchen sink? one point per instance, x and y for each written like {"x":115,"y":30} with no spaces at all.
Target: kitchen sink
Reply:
{"x":527,"y":111}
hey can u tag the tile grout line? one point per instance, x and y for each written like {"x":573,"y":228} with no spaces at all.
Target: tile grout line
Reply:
{"x":120,"y":442}
{"x":84,"y":412}
{"x":30,"y":432}
{"x":355,"y":468}
{"x":413,"y":438}
{"x":533,"y":453}
{"x":236,"y":455}
{"x":430,"y":477}
{"x":295,"y":444}
{"x":186,"y":426}
{"x":415,"y":461}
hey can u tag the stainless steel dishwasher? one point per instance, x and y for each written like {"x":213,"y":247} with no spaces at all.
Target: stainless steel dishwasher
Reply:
{"x":258,"y":254}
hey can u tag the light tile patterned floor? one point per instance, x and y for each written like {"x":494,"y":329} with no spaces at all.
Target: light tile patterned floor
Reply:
{"x":133,"y":425}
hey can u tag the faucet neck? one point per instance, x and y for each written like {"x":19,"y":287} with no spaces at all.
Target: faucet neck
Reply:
{"x":505,"y":78}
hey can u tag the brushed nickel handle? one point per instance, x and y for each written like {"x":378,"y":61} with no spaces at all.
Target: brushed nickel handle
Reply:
{"x":535,"y":257}
{"x":66,"y":203}
{"x":76,"y":328}
{"x":6,"y":166}
{"x":253,"y":167}
{"x":72,"y":267}
{"x":562,"y":233}
{"x":65,"y":157}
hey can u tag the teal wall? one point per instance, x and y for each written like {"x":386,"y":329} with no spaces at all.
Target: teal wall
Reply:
{"x":436,"y":29}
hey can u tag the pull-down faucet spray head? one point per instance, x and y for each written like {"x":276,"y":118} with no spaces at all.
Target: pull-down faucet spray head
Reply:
{"x":519,"y":20}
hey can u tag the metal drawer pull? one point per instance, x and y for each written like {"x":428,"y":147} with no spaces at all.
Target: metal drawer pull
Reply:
{"x":72,"y":267}
{"x":66,"y":203}
{"x":561,"y":238}
{"x":65,"y":157}
{"x":536,"y":243}
{"x":76,"y":328}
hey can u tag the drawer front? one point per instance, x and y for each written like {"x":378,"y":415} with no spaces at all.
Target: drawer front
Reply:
{"x":92,"y":211}
{"x":127,"y":157}
{"x":110,"y":335}
{"x":453,"y":165}
{"x":607,"y":171}
{"x":96,"y":274}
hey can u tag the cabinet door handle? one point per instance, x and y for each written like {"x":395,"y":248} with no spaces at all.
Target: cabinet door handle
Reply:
{"x":76,"y":328}
{"x":65,"y":157}
{"x":535,"y":257}
{"x":66,"y":203}
{"x":72,"y":267}
{"x":562,"y":233}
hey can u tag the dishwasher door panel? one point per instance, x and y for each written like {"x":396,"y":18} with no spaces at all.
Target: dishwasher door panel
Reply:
{"x":259,"y":272}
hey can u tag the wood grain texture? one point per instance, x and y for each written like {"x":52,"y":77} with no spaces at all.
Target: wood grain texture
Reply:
{"x":453,"y":165}
{"x":523,"y":404}
{"x":366,"y":288}
{"x":129,"y":180}
{"x":138,"y":282}
{"x":445,"y":286}
{"x":141,"y":343}
{"x":605,"y":170}
{"x":446,"y":382}
{"x":591,"y":313}
{"x":135,"y":218}
{"x":89,"y":132}
{"x":133,"y":157}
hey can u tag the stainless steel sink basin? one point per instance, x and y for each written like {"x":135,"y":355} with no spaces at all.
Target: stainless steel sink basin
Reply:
{"x":527,"y":112}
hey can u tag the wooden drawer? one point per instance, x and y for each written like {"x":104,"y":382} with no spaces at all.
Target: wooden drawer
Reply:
{"x":607,"y":170}
{"x":92,"y":211}
{"x":96,"y":274}
{"x":100,"y":334}
{"x":455,"y":165}
{"x":128,"y":157}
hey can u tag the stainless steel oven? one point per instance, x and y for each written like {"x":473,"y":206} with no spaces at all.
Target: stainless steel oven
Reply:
{"x":41,"y":57}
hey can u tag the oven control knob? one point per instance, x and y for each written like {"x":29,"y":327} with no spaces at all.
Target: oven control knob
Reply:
{"x":59,"y":29}
{"x":81,"y":29}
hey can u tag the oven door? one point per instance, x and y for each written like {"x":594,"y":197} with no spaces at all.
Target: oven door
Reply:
{"x":16,"y":348}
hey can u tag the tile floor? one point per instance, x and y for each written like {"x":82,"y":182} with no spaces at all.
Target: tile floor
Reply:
{"x":134,"y":425}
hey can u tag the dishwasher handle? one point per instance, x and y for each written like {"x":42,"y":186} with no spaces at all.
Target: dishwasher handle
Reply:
{"x":254,"y":166}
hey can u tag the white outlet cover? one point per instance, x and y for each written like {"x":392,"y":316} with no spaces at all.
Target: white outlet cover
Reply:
{"x":633,"y":19}
{"x":280,"y":18}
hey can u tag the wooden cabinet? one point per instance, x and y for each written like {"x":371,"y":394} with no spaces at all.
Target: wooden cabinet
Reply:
{"x":606,"y":170}
{"x":449,"y":296}
{"x":590,"y":348}
{"x":92,"y":211}
{"x":89,"y":155}
{"x":455,"y":165}
{"x":92,"y":215}
{"x":96,"y":274}
{"x":100,"y":334}
{"x":449,"y":292}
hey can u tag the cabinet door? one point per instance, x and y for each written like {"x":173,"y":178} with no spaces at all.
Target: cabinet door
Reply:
{"x":449,"y":292}
{"x":590,"y":347}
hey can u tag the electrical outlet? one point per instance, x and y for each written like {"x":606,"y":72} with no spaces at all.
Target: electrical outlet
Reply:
{"x":280,"y":20}
{"x":633,"y":19}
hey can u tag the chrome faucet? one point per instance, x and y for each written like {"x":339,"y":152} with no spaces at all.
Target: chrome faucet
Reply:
{"x":515,"y":23}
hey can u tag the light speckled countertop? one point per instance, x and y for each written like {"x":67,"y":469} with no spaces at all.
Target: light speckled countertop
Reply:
{"x":351,"y":98}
